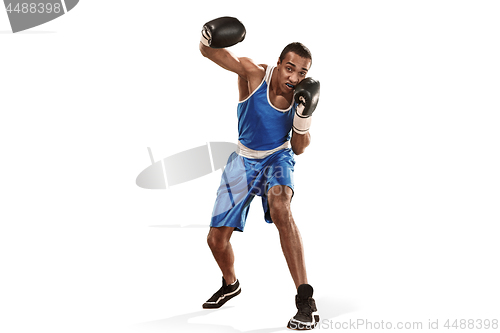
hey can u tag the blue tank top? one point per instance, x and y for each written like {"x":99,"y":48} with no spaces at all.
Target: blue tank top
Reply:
{"x":261,"y":126}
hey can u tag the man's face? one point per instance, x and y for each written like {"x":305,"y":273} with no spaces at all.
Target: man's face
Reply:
{"x":292,"y":70}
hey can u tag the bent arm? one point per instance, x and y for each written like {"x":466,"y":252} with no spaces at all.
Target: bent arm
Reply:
{"x":300,"y":142}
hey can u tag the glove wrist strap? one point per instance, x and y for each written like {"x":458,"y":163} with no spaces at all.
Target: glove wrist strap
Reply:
{"x":301,"y":123}
{"x":205,"y":37}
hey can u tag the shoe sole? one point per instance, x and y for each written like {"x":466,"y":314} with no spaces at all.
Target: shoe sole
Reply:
{"x":222,"y":300}
{"x":297,"y":325}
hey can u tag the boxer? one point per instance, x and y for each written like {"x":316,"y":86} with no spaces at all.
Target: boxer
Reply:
{"x":275,"y":109}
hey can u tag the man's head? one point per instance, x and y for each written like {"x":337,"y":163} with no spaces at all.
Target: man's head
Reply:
{"x":293,"y":65}
{"x":298,"y":48}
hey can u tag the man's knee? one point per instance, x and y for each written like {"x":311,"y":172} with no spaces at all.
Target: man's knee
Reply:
{"x":216,"y":243}
{"x":218,"y":239}
{"x":279,"y":198}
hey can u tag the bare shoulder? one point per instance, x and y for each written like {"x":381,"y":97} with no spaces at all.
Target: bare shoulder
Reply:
{"x":253,"y":70}
{"x":254,"y":74}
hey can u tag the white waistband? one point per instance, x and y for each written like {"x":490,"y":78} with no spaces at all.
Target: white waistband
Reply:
{"x":258,"y":154}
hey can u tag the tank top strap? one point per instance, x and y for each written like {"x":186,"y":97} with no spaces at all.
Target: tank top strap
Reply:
{"x":269,"y":73}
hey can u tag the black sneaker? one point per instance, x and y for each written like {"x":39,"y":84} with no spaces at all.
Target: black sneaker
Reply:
{"x":224,"y":294}
{"x":306,"y":318}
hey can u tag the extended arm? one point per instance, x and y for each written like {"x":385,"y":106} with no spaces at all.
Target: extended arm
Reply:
{"x":221,"y":33}
{"x":224,"y":58}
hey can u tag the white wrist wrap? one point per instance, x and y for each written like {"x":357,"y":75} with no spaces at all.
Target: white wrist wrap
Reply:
{"x":301,"y":124}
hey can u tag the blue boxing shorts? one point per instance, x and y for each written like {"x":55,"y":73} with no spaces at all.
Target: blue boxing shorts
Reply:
{"x":244,"y":178}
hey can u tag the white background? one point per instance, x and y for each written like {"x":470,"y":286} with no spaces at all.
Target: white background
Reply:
{"x":397,"y":197}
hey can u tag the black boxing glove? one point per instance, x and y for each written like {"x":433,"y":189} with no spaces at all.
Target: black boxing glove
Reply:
{"x":306,"y":94}
{"x":222,"y":32}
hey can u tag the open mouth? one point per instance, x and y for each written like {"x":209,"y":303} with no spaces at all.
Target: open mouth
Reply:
{"x":291,"y":86}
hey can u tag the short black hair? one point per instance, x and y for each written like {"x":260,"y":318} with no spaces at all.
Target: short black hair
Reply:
{"x":298,"y":48}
